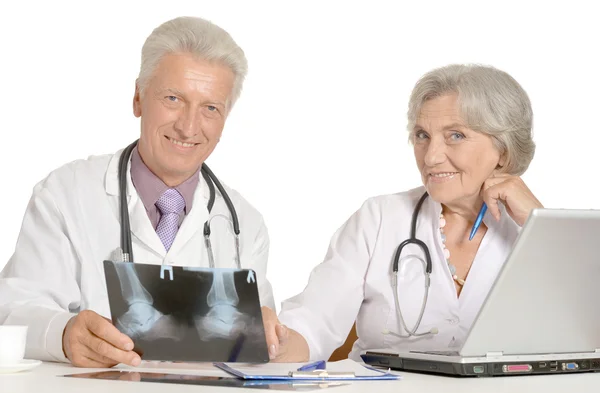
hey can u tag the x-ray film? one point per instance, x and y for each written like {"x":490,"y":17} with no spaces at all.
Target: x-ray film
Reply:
{"x":187,"y":314}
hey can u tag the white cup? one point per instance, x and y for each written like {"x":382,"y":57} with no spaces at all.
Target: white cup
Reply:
{"x":12,"y":343}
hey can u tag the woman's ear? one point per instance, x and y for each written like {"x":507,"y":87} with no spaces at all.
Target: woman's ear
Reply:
{"x":501,"y":162}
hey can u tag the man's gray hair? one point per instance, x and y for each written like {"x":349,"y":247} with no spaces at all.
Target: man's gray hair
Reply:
{"x":490,"y":102}
{"x":200,"y":38}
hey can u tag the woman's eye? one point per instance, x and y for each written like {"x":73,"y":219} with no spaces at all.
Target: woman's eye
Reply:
{"x":456,"y":136}
{"x":420,"y":135}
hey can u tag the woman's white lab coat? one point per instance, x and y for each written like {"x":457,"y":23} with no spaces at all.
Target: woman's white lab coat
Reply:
{"x":71,"y":226}
{"x":353,"y":283}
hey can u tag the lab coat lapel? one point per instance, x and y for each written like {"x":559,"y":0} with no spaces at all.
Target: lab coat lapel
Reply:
{"x":141,"y":227}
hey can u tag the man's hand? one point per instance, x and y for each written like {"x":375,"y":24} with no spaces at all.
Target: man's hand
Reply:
{"x":90,"y":340}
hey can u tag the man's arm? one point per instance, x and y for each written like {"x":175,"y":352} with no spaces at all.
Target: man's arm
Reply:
{"x":39,"y":286}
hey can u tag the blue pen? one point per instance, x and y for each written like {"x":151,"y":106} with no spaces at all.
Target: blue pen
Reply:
{"x":478,"y":220}
{"x":318,"y":365}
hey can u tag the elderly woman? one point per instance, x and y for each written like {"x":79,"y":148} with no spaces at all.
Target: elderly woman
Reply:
{"x":471,"y":128}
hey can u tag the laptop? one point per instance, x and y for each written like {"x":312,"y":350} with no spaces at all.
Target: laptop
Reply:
{"x":541,"y":315}
{"x":187,"y":314}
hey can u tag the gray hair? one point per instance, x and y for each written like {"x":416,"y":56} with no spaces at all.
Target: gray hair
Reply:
{"x":490,"y":101}
{"x":198,"y":37}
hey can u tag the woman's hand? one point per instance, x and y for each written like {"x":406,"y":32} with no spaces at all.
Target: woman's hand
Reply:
{"x":285,"y":345}
{"x":513,"y":193}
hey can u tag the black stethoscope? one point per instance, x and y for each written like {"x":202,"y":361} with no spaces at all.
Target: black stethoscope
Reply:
{"x":211,"y":180}
{"x":427,"y":266}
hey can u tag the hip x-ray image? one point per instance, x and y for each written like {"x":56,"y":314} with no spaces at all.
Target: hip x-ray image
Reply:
{"x":187,"y":314}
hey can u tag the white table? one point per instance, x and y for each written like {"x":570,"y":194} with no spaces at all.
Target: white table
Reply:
{"x":47,"y":378}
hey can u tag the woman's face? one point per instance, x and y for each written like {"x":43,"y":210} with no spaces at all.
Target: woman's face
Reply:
{"x":454,"y":160}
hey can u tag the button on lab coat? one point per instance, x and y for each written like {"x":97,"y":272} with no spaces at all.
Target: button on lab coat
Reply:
{"x":71,"y":226}
{"x":353,"y":283}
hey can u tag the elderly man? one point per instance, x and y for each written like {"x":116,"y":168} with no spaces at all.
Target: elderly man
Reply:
{"x":191,"y":74}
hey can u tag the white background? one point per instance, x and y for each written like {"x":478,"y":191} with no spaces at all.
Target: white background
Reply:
{"x":321,"y":123}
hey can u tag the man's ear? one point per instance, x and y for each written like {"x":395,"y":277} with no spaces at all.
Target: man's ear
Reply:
{"x":137,"y":104}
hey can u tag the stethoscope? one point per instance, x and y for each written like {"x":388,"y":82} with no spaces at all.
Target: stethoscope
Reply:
{"x":211,"y":180}
{"x":426,"y":270}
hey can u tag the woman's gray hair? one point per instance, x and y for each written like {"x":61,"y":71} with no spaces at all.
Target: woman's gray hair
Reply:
{"x":200,"y":38}
{"x":490,"y":102}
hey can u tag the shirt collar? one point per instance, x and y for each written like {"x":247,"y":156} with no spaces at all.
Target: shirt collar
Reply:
{"x":150,"y":187}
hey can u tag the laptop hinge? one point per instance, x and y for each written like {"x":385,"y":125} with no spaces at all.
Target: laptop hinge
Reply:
{"x":493,"y":354}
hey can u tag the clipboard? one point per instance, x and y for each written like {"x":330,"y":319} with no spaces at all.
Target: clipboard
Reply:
{"x":345,"y":370}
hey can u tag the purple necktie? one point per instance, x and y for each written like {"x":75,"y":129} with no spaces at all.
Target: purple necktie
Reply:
{"x":170,"y":204}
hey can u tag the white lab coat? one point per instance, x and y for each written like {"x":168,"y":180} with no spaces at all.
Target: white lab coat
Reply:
{"x":353,"y":283}
{"x":71,"y":226}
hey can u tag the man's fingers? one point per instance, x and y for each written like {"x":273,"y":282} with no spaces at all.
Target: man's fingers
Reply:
{"x":91,"y":363}
{"x":94,"y":360}
{"x":89,"y":340}
{"x":105,"y":350}
{"x":83,"y":357}
{"x":108,"y":332}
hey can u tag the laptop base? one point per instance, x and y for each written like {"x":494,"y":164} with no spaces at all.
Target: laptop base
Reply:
{"x":489,"y":368}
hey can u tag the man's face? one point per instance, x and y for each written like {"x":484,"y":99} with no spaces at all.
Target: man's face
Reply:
{"x":183,"y":111}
